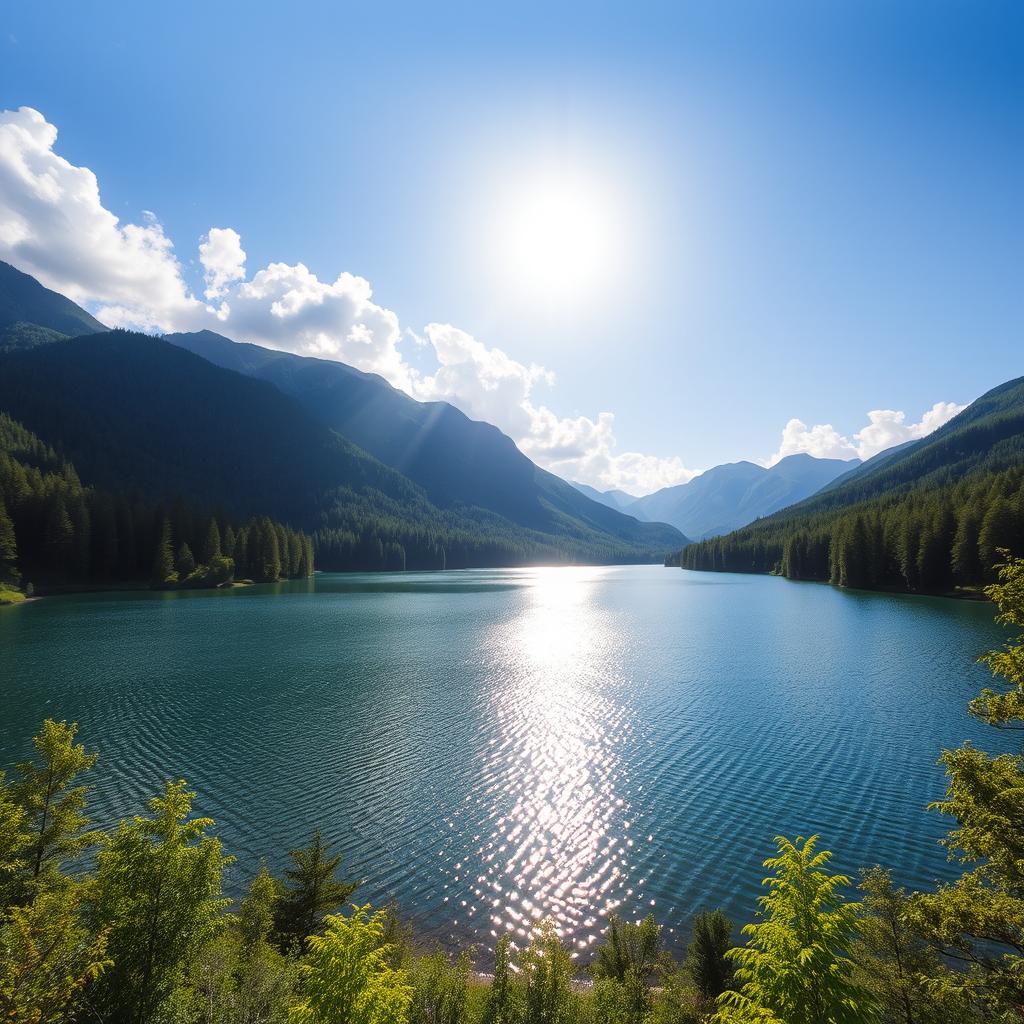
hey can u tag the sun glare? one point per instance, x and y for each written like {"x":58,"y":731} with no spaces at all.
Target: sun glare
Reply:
{"x":556,"y":239}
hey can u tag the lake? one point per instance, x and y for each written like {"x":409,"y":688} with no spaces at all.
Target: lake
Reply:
{"x":488,"y":746}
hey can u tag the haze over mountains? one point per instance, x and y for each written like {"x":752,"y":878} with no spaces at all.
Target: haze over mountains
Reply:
{"x":726,"y":497}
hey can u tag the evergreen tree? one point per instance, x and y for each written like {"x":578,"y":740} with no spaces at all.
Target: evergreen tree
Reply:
{"x":211,"y":546}
{"x":58,"y":533}
{"x":52,"y":804}
{"x":163,"y":560}
{"x":547,"y":967}
{"x":185,"y":563}
{"x":795,"y":967}
{"x":314,"y":891}
{"x":896,"y":964}
{"x":440,"y":989}
{"x":47,"y":958}
{"x":500,"y":1007}
{"x":159,"y":899}
{"x":628,"y":947}
{"x":8,"y":549}
{"x":14,"y":843}
{"x":706,"y":959}
{"x":979,"y":919}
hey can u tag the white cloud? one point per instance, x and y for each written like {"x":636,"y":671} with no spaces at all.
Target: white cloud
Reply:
{"x":885,"y":428}
{"x":54,"y":226}
{"x":489,"y":385}
{"x":288,"y":307}
{"x":223,"y":260}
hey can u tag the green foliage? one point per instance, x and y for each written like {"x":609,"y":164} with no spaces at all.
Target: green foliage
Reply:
{"x":14,"y":839}
{"x":240,"y":977}
{"x":928,"y":537}
{"x":709,"y":967}
{"x":185,"y":561}
{"x":628,"y":946}
{"x":927,"y":517}
{"x":795,"y":967}
{"x":440,"y":988}
{"x":979,"y":919}
{"x":62,"y":532}
{"x":47,"y":957}
{"x":159,"y":898}
{"x":8,"y":548}
{"x":503,"y":1005}
{"x":112,"y":403}
{"x":894,"y":962}
{"x":346,"y":976}
{"x":53,"y":806}
{"x":314,"y":891}
{"x":548,"y":970}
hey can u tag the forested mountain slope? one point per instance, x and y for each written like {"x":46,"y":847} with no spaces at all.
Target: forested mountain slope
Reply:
{"x":729,"y":496}
{"x":930,"y":516}
{"x":454,"y":459}
{"x":137,"y":414}
{"x":55,"y":532}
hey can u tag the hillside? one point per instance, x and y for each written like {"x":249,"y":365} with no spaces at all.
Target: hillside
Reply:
{"x":729,"y":496}
{"x":136,"y":414}
{"x":24,"y":299}
{"x":929,"y":516}
{"x":457,"y":461}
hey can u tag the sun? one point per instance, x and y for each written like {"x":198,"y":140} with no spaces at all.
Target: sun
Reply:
{"x":556,"y":236}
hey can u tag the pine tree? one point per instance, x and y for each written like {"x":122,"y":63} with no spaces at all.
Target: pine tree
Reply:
{"x":163,"y":560}
{"x":500,"y":1007}
{"x":185,"y":562}
{"x":706,"y":960}
{"x":980,"y":917}
{"x":211,"y":546}
{"x":548,"y":969}
{"x":58,"y":533}
{"x":8,"y":549}
{"x":314,"y":892}
{"x":346,"y":976}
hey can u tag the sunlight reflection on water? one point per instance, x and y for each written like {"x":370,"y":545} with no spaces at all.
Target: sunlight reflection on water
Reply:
{"x":559,"y":850}
{"x":490,"y":747}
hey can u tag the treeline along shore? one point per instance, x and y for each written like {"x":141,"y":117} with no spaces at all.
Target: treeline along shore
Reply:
{"x":131,"y":925}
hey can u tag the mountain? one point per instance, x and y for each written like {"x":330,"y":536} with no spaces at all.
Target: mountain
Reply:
{"x":137,"y":414}
{"x":24,"y":300}
{"x":729,"y":496}
{"x":345,"y":450}
{"x":616,"y":499}
{"x":930,"y":515}
{"x":457,"y":461}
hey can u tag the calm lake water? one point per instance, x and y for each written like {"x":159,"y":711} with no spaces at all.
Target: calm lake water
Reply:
{"x":489,"y":746}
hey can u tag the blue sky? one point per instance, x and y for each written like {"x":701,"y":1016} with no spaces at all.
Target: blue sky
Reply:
{"x":809,"y":211}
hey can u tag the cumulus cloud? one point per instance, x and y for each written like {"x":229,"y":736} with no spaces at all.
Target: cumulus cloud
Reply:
{"x":885,"y":428}
{"x":54,"y":226}
{"x":223,"y":260}
{"x":289,"y":307}
{"x":488,"y":384}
